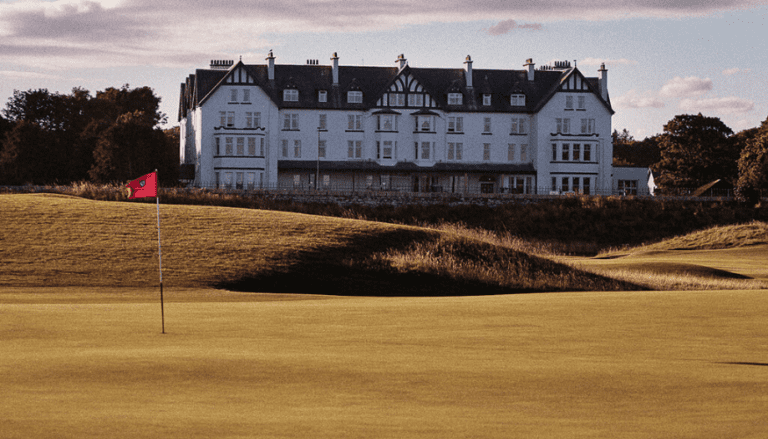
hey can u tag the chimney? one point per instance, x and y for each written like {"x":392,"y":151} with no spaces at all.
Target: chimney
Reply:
{"x":468,"y":70}
{"x":271,"y":69}
{"x":603,"y":72}
{"x":335,"y":59}
{"x":401,"y":61}
{"x":529,"y":65}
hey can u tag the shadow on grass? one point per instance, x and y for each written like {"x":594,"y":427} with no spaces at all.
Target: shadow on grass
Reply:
{"x":349,"y":270}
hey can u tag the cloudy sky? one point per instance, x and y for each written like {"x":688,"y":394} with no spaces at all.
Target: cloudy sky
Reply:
{"x":663,"y":57}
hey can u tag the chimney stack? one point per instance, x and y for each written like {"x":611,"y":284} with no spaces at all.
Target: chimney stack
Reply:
{"x":401,"y":61}
{"x":529,"y":65}
{"x":468,"y":70}
{"x":603,"y":75}
{"x":335,"y":59}
{"x":271,"y":66}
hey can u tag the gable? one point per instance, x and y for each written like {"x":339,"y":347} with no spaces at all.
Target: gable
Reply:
{"x":239,"y":76}
{"x":405,"y":90}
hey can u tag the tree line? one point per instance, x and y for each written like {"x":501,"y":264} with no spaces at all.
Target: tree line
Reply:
{"x":694,"y":150}
{"x":114,"y":136}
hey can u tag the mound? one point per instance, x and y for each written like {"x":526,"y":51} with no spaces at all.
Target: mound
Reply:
{"x":715,"y":238}
{"x":53,"y":240}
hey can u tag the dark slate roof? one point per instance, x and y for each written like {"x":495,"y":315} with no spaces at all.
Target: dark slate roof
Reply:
{"x":371,"y":166}
{"x":374,"y":81}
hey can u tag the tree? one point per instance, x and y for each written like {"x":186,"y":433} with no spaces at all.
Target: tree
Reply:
{"x":641,"y":153}
{"x":28,"y":155}
{"x":696,"y":150}
{"x":753,"y":165}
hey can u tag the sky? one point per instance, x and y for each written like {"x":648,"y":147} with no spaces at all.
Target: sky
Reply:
{"x":664,"y":58}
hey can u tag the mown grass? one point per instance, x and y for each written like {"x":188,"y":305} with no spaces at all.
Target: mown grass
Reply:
{"x":57,"y":240}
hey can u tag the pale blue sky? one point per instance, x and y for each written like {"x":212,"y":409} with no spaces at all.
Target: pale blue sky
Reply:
{"x":705,"y":56}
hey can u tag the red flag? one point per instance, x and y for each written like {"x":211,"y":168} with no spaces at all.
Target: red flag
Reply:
{"x":144,"y":186}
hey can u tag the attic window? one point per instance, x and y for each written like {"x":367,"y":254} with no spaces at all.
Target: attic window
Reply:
{"x":487,"y":99}
{"x":455,"y":99}
{"x":517,"y":100}
{"x":322,"y":96}
{"x":290,"y":95}
{"x":354,"y":97}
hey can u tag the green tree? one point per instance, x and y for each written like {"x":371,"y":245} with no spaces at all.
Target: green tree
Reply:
{"x":695,"y":150}
{"x":753,"y":165}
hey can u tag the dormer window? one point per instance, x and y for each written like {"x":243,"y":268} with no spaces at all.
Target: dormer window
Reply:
{"x":322,"y":96}
{"x":290,"y":95}
{"x":517,"y":100}
{"x":487,"y":99}
{"x":455,"y":99}
{"x":354,"y":97}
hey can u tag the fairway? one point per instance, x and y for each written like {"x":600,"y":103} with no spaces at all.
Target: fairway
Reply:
{"x":627,"y":364}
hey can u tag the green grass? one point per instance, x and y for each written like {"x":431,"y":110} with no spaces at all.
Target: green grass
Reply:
{"x":569,"y":365}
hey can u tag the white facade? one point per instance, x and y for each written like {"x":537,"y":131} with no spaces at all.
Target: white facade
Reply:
{"x":397,"y":128}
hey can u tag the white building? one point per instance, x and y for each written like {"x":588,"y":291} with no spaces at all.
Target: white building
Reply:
{"x":397,"y":128}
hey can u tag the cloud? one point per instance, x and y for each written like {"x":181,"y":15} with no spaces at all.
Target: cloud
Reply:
{"x":633,"y":99}
{"x":507,"y":26}
{"x":727,"y":105}
{"x":735,"y":70}
{"x":685,"y":87}
{"x":608,"y":62}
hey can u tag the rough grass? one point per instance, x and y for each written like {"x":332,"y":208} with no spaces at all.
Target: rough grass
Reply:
{"x":57,"y":240}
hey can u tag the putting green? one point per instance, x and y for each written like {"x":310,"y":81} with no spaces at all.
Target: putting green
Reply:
{"x":599,"y":365}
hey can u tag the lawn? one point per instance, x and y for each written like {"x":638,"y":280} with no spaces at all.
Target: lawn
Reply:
{"x":599,"y":365}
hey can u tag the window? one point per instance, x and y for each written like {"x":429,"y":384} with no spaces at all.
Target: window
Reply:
{"x":581,"y":103}
{"x":290,"y":121}
{"x":322,"y":96}
{"x":354,"y":122}
{"x":628,"y":187}
{"x":387,"y":151}
{"x":252,"y":146}
{"x":455,"y":124}
{"x":386,"y":122}
{"x":239,"y":180}
{"x":218,"y":146}
{"x":524,"y":153}
{"x":233,"y":95}
{"x":284,"y":148}
{"x":252,"y":120}
{"x":261,"y":146}
{"x":223,"y":115}
{"x":322,"y":122}
{"x":486,"y":151}
{"x":246,"y":95}
{"x":415,"y":100}
{"x":397,"y":99}
{"x":354,"y":97}
{"x":587,"y":152}
{"x":240,"y":146}
{"x":517,"y":100}
{"x":569,"y":102}
{"x":455,"y":151}
{"x":511,"y":152}
{"x":587,"y":126}
{"x":228,"y":180}
{"x":228,"y":148}
{"x":251,"y":180}
{"x":486,"y":99}
{"x":296,"y":180}
{"x":585,"y":189}
{"x":554,"y":184}
{"x":566,"y":152}
{"x":425,"y":149}
{"x":563,"y":126}
{"x":297,"y":148}
{"x":424,"y":123}
{"x":565,"y":185}
{"x":576,"y":152}
{"x":487,"y":125}
{"x":518,"y":126}
{"x":554,"y":152}
{"x":290,"y":95}
{"x":355,"y":149}
{"x":321,"y":149}
{"x":230,"y":118}
{"x":455,"y":99}
{"x":326,"y":180}
{"x":576,"y":184}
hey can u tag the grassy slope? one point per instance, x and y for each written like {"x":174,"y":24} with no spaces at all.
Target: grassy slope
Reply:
{"x":719,"y":257}
{"x":55,"y":240}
